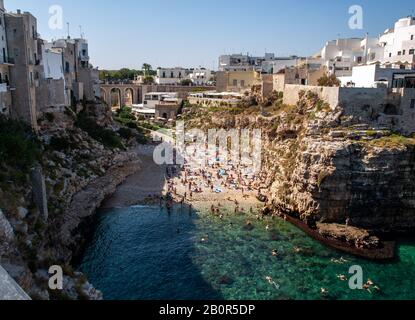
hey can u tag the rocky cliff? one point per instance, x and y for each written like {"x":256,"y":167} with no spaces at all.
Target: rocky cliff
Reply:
{"x":83,"y":157}
{"x":321,"y":166}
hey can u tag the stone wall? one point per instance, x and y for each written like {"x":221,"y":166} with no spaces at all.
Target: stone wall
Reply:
{"x":50,"y":95}
{"x":328,"y":94}
{"x":376,"y":107}
{"x":408,"y":110}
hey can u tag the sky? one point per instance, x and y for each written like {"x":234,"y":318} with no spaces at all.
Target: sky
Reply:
{"x":193,"y":33}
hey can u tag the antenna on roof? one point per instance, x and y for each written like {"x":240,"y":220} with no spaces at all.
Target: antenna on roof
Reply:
{"x":80,"y":32}
{"x":69,"y":36}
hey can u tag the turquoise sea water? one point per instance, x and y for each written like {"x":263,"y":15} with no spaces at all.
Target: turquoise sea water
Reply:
{"x":144,"y":253}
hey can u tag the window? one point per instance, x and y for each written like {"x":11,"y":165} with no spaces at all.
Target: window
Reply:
{"x":412,"y":103}
{"x":390,"y":55}
{"x":403,"y":52}
{"x":164,"y":74}
{"x":412,"y":37}
{"x":235,"y":82}
{"x":412,"y":51}
{"x":399,"y":53}
{"x":242,"y":83}
{"x":171,"y":74}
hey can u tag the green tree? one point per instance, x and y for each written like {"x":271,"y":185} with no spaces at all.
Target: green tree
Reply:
{"x":329,"y":81}
{"x":146,"y":69}
{"x":148,"y":80}
{"x":186,"y":82}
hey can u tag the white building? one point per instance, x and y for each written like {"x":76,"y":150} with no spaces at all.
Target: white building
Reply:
{"x":395,"y":48}
{"x":153,"y":100}
{"x":170,"y":76}
{"x":200,"y":76}
{"x":398,"y":44}
{"x":235,"y":62}
{"x":280,"y":63}
{"x":374,"y":76}
{"x":341,"y":55}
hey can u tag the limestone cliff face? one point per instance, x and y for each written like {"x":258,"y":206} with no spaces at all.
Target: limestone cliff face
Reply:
{"x":332,"y":181}
{"x":322,"y":166}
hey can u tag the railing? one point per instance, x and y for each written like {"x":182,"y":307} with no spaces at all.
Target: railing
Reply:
{"x":8,"y":60}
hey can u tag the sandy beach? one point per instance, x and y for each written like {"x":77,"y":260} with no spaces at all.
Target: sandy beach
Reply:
{"x":200,"y":188}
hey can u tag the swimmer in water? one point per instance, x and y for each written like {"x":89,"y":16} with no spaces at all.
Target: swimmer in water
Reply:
{"x":342,"y":277}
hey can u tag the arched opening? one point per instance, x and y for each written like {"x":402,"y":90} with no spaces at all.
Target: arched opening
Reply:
{"x":391,"y":109}
{"x":165,"y":116}
{"x":115,"y":98}
{"x":129,"y":97}
{"x":104,"y":95}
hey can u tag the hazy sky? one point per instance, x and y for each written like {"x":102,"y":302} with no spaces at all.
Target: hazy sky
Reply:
{"x":192,"y":33}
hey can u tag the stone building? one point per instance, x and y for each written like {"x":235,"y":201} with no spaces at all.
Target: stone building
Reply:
{"x":5,"y":63}
{"x":81,"y":79}
{"x":296,"y":75}
{"x":167,"y":110}
{"x":24,"y":49}
{"x":237,"y":81}
{"x":50,"y":94}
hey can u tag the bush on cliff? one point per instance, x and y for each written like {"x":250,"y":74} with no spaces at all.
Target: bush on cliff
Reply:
{"x":106,"y":136}
{"x":19,"y":147}
{"x":329,"y":81}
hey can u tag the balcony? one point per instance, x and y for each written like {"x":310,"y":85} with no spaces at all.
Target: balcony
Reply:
{"x":8,"y":61}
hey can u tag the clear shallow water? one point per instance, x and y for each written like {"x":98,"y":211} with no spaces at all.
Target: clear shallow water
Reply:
{"x":139,"y":253}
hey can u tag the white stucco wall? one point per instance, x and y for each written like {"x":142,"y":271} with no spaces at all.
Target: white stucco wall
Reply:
{"x":52,"y":63}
